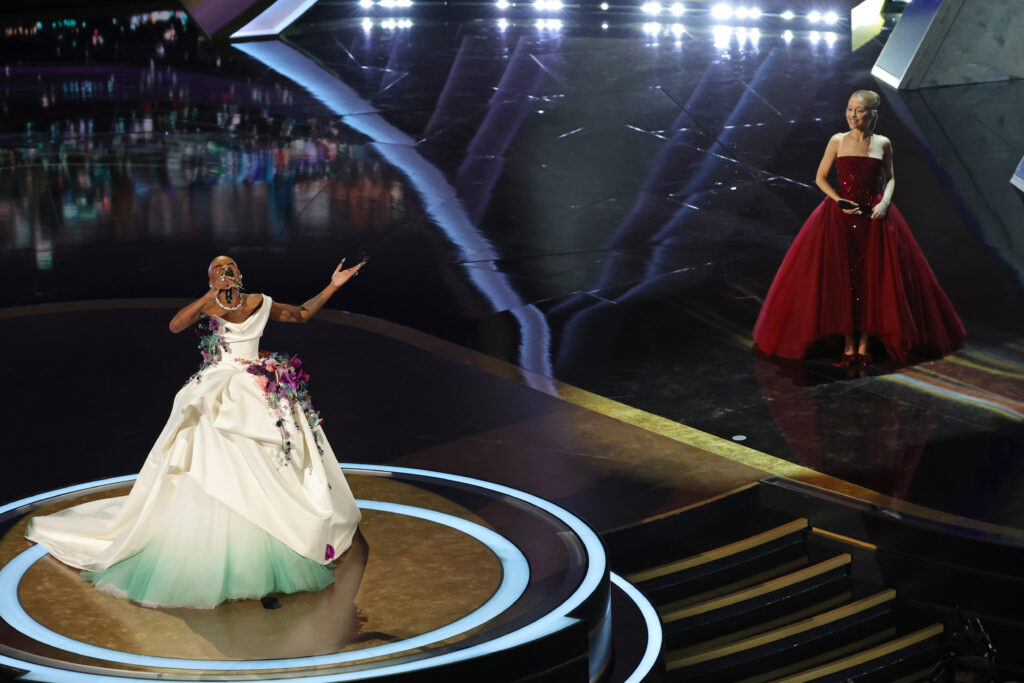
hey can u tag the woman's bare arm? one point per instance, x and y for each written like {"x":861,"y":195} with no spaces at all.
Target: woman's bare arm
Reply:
{"x":287,"y":313}
{"x":829,"y":158}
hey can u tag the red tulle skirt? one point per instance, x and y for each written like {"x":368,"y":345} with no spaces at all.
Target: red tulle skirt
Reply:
{"x":850,"y":275}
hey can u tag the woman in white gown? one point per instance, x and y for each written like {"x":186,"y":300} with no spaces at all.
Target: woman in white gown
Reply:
{"x":241,"y":495}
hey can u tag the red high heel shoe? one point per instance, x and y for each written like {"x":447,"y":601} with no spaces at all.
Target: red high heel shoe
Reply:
{"x":846,"y":360}
{"x":865,"y":359}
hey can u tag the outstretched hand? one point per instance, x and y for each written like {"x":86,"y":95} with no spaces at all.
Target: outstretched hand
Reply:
{"x":340,"y":276}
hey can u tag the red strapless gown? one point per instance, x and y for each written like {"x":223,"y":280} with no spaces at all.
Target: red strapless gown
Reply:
{"x":849,"y":274}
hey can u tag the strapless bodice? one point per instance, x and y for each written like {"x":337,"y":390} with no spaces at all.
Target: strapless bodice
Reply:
{"x":243,"y":339}
{"x":859,"y":178}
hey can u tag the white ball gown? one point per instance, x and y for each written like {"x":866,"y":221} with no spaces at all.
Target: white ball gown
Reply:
{"x":240,"y":496}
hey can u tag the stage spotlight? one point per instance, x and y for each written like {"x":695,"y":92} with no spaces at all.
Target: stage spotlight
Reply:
{"x":787,"y":15}
{"x":387,"y":4}
{"x":787,"y":36}
{"x":604,"y":26}
{"x":814,"y":17}
{"x":652,"y":28}
{"x":502,"y":24}
{"x":651,"y":8}
{"x":677,"y":9}
{"x":405,"y":23}
{"x":755,"y":13}
{"x":721,"y":11}
{"x":830,"y":18}
{"x":678,"y":30}
{"x":367,"y":24}
{"x":388,"y":24}
{"x":831,"y":38}
{"x":366,"y":4}
{"x":722,"y":36}
{"x":814,"y":37}
{"x":554,"y":5}
{"x":741,"y":35}
{"x":604,"y":6}
{"x":502,"y":4}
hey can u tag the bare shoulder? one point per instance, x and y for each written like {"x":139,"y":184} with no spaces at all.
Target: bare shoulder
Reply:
{"x":836,"y":139}
{"x":884,"y":141}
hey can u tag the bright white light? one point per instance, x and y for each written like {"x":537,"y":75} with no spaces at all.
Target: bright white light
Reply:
{"x":502,"y":4}
{"x":604,"y":26}
{"x":741,"y":35}
{"x":677,"y":9}
{"x":555,"y":24}
{"x":604,"y":6}
{"x":755,"y":13}
{"x":787,"y":36}
{"x":651,"y":8}
{"x":387,"y":3}
{"x":721,"y":11}
{"x":389,"y":24}
{"x":741,"y":12}
{"x":502,"y":24}
{"x":787,"y":15}
{"x":403,"y":3}
{"x":814,"y":37}
{"x":678,"y":30}
{"x":366,"y":4}
{"x":554,"y":5}
{"x":405,"y":23}
{"x":830,"y":18}
{"x":367,"y":24}
{"x":814,"y":17}
{"x":652,"y":28}
{"x":831,"y":38}
{"x":722,"y":36}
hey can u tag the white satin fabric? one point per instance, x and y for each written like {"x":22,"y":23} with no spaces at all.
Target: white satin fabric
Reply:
{"x":223,"y":437}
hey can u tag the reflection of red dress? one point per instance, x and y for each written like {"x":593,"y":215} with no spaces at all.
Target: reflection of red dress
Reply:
{"x":848,"y":274}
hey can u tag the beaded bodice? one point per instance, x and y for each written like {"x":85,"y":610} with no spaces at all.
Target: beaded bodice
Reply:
{"x":860,"y":178}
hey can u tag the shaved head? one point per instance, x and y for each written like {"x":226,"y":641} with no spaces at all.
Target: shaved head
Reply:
{"x":217,"y":261}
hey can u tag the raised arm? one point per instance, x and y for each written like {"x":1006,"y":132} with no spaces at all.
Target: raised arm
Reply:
{"x":287,"y":313}
{"x":189,"y":315}
{"x":821,"y":178}
{"x":882,"y":207}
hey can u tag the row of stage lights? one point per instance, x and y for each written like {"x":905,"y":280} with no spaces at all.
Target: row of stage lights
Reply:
{"x":386,"y":4}
{"x":723,"y":35}
{"x":721,"y":11}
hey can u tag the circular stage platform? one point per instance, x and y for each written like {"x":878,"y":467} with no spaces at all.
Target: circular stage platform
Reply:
{"x":451,"y":578}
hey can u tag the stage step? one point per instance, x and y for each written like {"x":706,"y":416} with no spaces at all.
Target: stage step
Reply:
{"x":759,"y":595}
{"x":713,"y":614}
{"x":722,"y":554}
{"x":725,"y":661}
{"x":902,"y":653}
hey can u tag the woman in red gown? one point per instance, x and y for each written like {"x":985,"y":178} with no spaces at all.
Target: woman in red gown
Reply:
{"x":856,"y":272}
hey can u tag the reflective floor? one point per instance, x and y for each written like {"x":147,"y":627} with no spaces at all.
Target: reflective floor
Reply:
{"x":601,"y":205}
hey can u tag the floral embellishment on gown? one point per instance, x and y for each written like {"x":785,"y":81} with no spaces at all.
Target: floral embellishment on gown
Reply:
{"x":211,"y":343}
{"x":285,"y":385}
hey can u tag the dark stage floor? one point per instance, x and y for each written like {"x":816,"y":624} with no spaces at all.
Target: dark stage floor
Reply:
{"x":601,"y":201}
